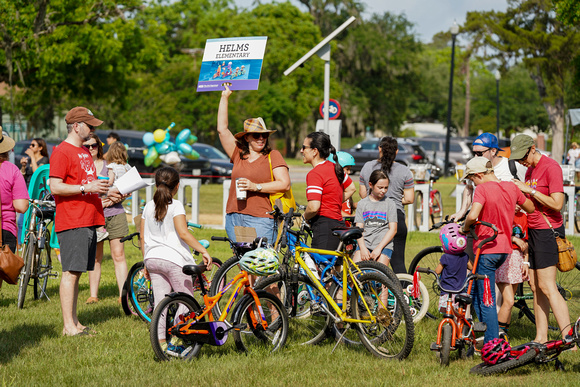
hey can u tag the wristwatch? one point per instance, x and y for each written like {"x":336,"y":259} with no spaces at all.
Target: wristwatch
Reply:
{"x":258,"y":187}
{"x":526,"y":263}
{"x":82,"y":189}
{"x":533,"y":192}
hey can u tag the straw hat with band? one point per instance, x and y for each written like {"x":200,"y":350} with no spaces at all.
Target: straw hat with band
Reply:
{"x":6,"y":143}
{"x":478,"y":164}
{"x":253,"y":125}
{"x":520,"y":145}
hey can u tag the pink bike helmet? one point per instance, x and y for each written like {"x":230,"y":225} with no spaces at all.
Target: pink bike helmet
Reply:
{"x":495,"y":351}
{"x":452,"y":241}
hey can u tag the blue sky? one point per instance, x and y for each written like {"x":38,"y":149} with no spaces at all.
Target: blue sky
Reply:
{"x":429,"y":16}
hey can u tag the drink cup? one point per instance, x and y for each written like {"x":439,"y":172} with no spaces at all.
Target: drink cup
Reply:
{"x":105,"y":178}
{"x":241,"y":195}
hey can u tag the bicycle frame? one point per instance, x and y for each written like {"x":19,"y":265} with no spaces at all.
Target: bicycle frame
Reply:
{"x":456,"y":326}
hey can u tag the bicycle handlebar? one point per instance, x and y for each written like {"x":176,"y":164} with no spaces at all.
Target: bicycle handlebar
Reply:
{"x":40,"y":202}
{"x":470,"y":277}
{"x":194,"y":225}
{"x":221,"y":239}
{"x":129,"y":237}
{"x":287,"y":221}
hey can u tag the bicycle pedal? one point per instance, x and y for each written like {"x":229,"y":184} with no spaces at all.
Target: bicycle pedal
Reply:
{"x":53,"y":274}
{"x":434,"y":347}
{"x":479,"y":327}
{"x":238,"y":327}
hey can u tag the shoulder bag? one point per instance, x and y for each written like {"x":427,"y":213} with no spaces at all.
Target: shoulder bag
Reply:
{"x":10,"y":263}
{"x":284,"y":200}
{"x":566,"y":253}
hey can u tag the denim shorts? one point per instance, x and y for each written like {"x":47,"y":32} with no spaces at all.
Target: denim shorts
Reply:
{"x":387,"y":252}
{"x":265,"y":227}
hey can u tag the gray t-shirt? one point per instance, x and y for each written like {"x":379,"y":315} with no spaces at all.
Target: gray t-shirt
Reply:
{"x":376,"y":217}
{"x":400,"y":179}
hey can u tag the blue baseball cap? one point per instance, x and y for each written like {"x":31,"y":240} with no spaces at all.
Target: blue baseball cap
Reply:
{"x":487,"y":140}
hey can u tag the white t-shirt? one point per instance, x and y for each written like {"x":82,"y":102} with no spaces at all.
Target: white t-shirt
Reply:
{"x":119,"y":170}
{"x":161,"y":239}
{"x":573,"y":155}
{"x":503,"y":173}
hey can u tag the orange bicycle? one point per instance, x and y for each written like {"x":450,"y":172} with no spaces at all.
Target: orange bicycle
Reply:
{"x":179,"y":327}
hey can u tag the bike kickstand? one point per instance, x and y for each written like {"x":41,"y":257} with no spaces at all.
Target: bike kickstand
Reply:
{"x":347,"y":327}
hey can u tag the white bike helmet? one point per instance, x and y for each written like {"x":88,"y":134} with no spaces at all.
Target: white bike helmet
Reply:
{"x":260,"y":261}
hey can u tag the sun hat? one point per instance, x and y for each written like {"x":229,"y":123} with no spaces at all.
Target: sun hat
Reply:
{"x":82,"y":114}
{"x":253,"y":125}
{"x":478,"y":164}
{"x":6,"y":143}
{"x":520,"y":145}
{"x":487,"y":140}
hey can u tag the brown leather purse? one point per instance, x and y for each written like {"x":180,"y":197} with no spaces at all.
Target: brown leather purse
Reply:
{"x":566,"y":253}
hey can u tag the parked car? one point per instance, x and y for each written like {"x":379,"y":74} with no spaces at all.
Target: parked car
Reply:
{"x":220,"y":162}
{"x":410,"y":152}
{"x":459,"y":149}
{"x":134,"y":141}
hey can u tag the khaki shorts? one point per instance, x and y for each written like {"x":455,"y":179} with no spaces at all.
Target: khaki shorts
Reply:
{"x":116,"y":226}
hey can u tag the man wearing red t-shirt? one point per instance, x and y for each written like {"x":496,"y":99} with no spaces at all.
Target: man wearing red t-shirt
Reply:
{"x":76,"y":189}
{"x":494,"y":202}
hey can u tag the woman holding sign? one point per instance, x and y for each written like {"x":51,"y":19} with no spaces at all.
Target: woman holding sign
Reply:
{"x":254,"y":165}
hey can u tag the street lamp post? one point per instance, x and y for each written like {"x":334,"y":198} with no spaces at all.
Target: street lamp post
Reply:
{"x":454,"y":31}
{"x":497,"y":78}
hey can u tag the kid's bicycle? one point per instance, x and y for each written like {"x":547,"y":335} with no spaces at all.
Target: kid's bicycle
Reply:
{"x":532,"y":352}
{"x":260,"y":322}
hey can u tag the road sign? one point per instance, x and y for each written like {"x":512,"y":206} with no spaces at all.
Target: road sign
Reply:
{"x":334,"y":110}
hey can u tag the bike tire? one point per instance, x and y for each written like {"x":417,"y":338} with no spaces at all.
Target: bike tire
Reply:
{"x":125,"y":301}
{"x":568,"y":284}
{"x":577,"y":214}
{"x":169,"y":312}
{"x":391,"y":336}
{"x":221,"y":279}
{"x":310,"y":322}
{"x":419,"y":306}
{"x":374,"y":266}
{"x":29,"y":254}
{"x":418,"y":206}
{"x":140,"y":292}
{"x":437,"y":206}
{"x":429,"y":257}
{"x":42,"y":270}
{"x":254,"y":338}
{"x":487,"y":369}
{"x":445,"y":350}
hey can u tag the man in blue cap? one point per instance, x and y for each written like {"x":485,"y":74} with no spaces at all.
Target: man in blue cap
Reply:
{"x":486,"y":145}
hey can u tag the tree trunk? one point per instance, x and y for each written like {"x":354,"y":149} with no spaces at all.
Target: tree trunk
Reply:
{"x":556,"y":114}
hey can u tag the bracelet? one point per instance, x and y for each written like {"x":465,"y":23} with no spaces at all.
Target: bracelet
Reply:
{"x":526,"y":263}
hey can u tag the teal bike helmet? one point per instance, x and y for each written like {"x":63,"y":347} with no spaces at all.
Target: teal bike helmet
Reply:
{"x":260,"y":261}
{"x":344,"y":159}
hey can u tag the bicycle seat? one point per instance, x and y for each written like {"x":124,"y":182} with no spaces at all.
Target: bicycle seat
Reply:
{"x":46,"y":212}
{"x":194,"y":269}
{"x":346,"y":234}
{"x":464,"y":298}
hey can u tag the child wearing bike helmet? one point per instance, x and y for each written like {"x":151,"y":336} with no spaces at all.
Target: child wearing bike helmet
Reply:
{"x":454,"y":262}
{"x":165,"y":242}
{"x":345,"y":160}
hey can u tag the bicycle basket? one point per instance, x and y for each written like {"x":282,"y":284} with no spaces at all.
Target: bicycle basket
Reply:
{"x":261,"y":262}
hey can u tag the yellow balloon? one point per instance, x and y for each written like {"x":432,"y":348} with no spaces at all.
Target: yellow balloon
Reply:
{"x":159,"y":135}
{"x":145,"y":151}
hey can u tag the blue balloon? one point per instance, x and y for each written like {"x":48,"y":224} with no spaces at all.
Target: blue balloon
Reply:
{"x":185,"y":148}
{"x":183,"y":136}
{"x":148,"y":139}
{"x":163,"y":148}
{"x":167,"y":137}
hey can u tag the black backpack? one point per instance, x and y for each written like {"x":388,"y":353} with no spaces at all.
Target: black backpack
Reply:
{"x":513,"y":169}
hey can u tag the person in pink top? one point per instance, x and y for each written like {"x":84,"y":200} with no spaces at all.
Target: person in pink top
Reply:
{"x":544,"y":185}
{"x":13,"y":193}
{"x":494,"y":201}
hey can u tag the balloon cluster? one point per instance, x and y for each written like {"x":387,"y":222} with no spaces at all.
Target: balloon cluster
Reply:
{"x":161,"y":148}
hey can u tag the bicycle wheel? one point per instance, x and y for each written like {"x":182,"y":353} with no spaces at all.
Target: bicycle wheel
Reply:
{"x":569,"y":287}
{"x":577,"y":213}
{"x":391,"y":335}
{"x":28,"y":256}
{"x":487,"y":369}
{"x":173,"y":310}
{"x":374,"y":266}
{"x":437,"y":208}
{"x":418,"y":305}
{"x":42,"y":271}
{"x":445,"y":350}
{"x":125,"y":301}
{"x":429,"y":257}
{"x":220,"y":280}
{"x":309,"y":324}
{"x":254,"y":337}
{"x":208,"y":275}
{"x":140,"y":292}
{"x":418,"y":205}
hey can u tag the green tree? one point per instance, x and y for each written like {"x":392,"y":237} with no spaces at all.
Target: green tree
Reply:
{"x":528,"y":31}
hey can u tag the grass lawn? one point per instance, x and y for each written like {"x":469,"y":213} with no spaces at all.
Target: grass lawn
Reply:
{"x":33,"y":352}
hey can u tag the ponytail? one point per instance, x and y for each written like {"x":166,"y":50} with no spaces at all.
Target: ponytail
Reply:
{"x":389,"y":147}
{"x":166,"y":179}
{"x":337,"y":167}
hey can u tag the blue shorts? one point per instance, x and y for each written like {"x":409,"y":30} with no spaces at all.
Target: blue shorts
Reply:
{"x":387,"y":252}
{"x":265,"y":227}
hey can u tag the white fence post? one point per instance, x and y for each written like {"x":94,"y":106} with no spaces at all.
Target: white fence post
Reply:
{"x":226,"y":192}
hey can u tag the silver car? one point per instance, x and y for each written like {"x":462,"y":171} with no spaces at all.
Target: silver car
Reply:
{"x":459,"y":150}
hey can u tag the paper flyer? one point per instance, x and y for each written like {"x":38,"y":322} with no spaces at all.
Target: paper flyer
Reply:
{"x":130,"y":181}
{"x":237,"y":61}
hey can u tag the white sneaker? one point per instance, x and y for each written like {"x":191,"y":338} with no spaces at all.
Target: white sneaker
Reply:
{"x":101,"y":236}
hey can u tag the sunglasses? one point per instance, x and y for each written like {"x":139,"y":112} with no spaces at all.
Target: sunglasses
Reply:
{"x":92,"y":146}
{"x":306,"y":147}
{"x":525,"y":156}
{"x":256,"y":136}
{"x":480,"y":153}
{"x":33,"y":145}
